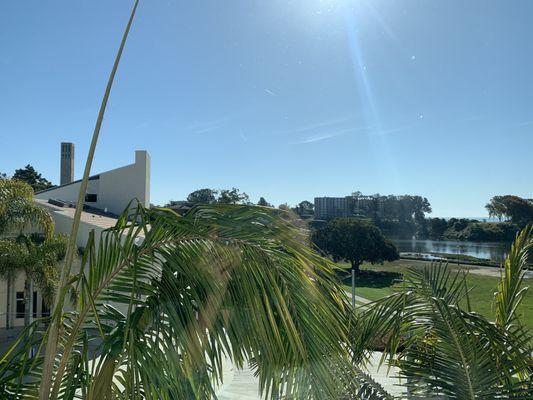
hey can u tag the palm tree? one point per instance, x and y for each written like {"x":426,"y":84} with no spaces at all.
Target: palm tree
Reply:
{"x":38,"y":259}
{"x":444,"y":348}
{"x":164,"y":298}
{"x":18,"y":212}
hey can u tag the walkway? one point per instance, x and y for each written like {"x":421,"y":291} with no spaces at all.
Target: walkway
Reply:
{"x":243,"y":385}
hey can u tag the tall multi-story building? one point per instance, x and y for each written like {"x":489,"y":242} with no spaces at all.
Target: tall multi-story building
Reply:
{"x":327,"y":208}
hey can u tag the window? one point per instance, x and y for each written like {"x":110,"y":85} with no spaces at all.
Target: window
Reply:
{"x":91,"y":198}
{"x":45,"y":311}
{"x":34,"y":305}
{"x":20,"y":305}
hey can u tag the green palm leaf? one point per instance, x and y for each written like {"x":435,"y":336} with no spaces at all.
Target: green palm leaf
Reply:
{"x":163,"y":299}
{"x":443,"y":350}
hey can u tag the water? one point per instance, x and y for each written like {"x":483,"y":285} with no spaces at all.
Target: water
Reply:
{"x":487,"y":250}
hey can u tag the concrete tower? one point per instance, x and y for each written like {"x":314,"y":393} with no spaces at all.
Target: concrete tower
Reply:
{"x":67,"y":163}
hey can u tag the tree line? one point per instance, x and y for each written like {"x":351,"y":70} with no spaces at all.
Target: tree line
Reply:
{"x":29,"y":175}
{"x":213,"y":265}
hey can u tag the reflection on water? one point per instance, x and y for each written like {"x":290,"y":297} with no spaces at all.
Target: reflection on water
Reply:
{"x":488,"y":250}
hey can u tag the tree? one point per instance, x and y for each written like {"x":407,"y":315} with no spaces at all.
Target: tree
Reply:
{"x":18,"y":212}
{"x":284,"y":207}
{"x":232,"y":196}
{"x":442,"y":348}
{"x":29,"y":175}
{"x":229,"y":280}
{"x":38,"y":259}
{"x":263,"y":203}
{"x":437,"y":227}
{"x":517,"y":209}
{"x":202,"y":196}
{"x":305,"y":208}
{"x":355,"y":241}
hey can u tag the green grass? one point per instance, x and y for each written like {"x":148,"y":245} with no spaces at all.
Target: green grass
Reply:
{"x":377,"y":285}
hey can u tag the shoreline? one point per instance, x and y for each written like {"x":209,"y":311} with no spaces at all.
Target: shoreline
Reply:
{"x":475,"y":268}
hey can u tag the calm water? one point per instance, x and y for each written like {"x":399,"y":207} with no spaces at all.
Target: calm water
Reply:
{"x":487,"y":250}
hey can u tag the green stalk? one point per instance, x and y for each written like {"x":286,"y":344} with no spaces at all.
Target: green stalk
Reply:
{"x":51,"y":344}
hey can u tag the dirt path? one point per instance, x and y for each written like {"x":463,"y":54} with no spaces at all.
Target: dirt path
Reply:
{"x":474,"y":269}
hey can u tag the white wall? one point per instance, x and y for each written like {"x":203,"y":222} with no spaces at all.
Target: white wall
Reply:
{"x":114,"y":189}
{"x":119,"y":186}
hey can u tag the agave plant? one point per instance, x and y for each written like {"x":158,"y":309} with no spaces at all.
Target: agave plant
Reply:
{"x":445,"y":350}
{"x":163,"y":298}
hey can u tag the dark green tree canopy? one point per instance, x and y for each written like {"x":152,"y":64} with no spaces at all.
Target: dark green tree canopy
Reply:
{"x":517,"y":209}
{"x":355,"y":241}
{"x":212,"y":196}
{"x":233,"y":196}
{"x":202,"y":196}
{"x":305,"y":208}
{"x":262,"y":202}
{"x":29,"y":175}
{"x":437,"y":227}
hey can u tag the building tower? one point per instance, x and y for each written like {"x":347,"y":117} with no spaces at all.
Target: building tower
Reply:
{"x":67,"y":163}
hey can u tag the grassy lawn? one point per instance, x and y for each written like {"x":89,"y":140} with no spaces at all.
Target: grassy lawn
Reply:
{"x":382,"y":283}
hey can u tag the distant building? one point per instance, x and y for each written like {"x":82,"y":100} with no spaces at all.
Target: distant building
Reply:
{"x":327,"y":208}
{"x":109,"y":191}
{"x":108,"y":194}
{"x":67,"y":163}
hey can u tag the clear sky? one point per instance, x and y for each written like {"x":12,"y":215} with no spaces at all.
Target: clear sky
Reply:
{"x":282,"y":99}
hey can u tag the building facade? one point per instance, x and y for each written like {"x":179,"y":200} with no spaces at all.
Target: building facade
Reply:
{"x":108,"y":194}
{"x":327,"y":208}
{"x":110,"y":191}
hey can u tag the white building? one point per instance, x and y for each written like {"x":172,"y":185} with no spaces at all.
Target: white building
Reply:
{"x":109,"y":191}
{"x":108,"y":194}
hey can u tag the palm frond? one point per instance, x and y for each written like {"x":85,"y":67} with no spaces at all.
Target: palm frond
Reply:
{"x":18,"y":211}
{"x":440,"y":348}
{"x":510,"y":289}
{"x":163,"y":299}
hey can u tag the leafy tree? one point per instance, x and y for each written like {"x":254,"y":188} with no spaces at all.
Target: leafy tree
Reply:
{"x":441,"y":347}
{"x":496,"y":208}
{"x":230,"y":280}
{"x":202,"y":196}
{"x":437,"y":227}
{"x":29,"y":175}
{"x":262,"y":202}
{"x":3,"y":176}
{"x":305,"y":208}
{"x":232,"y":196}
{"x":517,"y":209}
{"x":38,"y":259}
{"x":284,"y":207}
{"x":355,"y":241}
{"x":18,"y":211}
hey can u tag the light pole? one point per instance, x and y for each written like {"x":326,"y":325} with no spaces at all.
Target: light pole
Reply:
{"x":353,"y":288}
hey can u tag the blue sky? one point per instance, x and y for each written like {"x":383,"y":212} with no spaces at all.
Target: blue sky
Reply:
{"x":282,"y":99}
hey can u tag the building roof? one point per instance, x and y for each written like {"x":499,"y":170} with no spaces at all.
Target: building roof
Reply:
{"x":91,"y":178}
{"x":95,"y":218}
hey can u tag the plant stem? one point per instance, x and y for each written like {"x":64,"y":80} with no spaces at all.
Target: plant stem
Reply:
{"x":51,"y":344}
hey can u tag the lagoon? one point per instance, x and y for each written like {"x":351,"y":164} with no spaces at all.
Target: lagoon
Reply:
{"x":496,"y":251}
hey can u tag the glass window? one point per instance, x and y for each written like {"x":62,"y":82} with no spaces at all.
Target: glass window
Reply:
{"x":20,"y":305}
